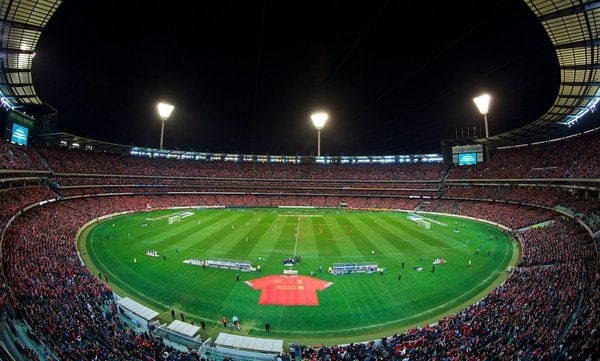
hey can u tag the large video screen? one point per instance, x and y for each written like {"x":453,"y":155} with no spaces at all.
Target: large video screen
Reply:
{"x":467,"y":158}
{"x":469,"y":154}
{"x":19,"y":134}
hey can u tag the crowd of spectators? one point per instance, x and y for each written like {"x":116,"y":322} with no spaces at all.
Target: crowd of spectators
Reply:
{"x":73,"y":314}
{"x":588,"y":209}
{"x":587,"y":164}
{"x":538,"y":196}
{"x":107,"y":173}
{"x":70,"y":311}
{"x":522,"y":319}
{"x":13,"y":157}
{"x":78,"y":172}
{"x":548,"y":308}
{"x":14,"y":199}
{"x":511,"y":215}
{"x":96,"y":185}
{"x":573,"y":158}
{"x":63,"y":160}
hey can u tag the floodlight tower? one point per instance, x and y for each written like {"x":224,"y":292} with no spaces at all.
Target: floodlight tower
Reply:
{"x":164,"y":112}
{"x":319,"y":120}
{"x":483,"y":105}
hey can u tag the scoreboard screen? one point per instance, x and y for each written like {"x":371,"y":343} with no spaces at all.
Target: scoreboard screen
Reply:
{"x":17,"y":126}
{"x":467,"y":158}
{"x":19,"y":134}
{"x":467,"y":154}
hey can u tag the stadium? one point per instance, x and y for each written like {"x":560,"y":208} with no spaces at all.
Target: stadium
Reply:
{"x":537,"y":185}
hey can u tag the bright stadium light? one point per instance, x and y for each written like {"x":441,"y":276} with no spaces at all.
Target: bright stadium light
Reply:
{"x":483,"y":105}
{"x":319,"y":120}
{"x":164,"y":112}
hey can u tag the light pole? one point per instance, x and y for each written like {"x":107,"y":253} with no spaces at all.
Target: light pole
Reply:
{"x":164,"y":111}
{"x":319,"y":120}
{"x":483,"y":104}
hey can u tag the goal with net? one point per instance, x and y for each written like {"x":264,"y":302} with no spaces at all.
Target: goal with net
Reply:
{"x":174,"y":219}
{"x":424,"y":224}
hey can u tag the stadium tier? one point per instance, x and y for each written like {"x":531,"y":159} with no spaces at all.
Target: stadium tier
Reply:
{"x":547,"y":196}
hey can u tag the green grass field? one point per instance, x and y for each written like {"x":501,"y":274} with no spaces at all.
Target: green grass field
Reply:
{"x":357,"y":307}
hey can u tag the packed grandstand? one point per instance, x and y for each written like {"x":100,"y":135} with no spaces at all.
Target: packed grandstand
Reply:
{"x":548,"y":308}
{"x":546,"y":193}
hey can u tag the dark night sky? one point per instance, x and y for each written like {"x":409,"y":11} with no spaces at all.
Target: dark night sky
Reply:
{"x":244,"y":76}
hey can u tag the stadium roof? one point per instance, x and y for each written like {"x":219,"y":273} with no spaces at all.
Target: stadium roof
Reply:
{"x":21,"y":24}
{"x":76,"y":142}
{"x":573,"y":27}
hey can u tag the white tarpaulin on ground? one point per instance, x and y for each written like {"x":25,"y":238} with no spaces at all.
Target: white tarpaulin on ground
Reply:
{"x":250,"y":343}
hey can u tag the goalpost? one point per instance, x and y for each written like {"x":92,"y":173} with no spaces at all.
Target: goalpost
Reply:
{"x":174,"y":219}
{"x":425,"y":224}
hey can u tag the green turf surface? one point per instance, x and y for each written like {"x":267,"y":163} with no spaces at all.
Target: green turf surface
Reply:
{"x":356,"y":307}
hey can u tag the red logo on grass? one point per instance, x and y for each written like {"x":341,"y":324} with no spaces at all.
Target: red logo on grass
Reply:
{"x":288,"y":290}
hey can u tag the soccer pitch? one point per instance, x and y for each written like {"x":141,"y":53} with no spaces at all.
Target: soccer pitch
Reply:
{"x":406,"y":290}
